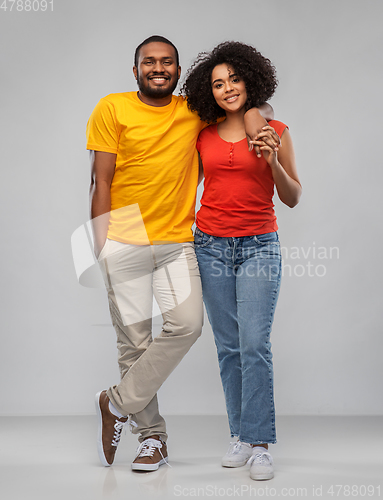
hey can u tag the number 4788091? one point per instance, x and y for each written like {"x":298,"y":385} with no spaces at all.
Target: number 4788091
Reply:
{"x":27,"y":5}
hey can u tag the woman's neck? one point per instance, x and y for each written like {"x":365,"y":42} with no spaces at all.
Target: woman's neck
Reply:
{"x":233,"y":128}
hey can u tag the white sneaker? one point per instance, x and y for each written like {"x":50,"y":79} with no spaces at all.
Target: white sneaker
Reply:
{"x":237,"y":455}
{"x":261,"y":464}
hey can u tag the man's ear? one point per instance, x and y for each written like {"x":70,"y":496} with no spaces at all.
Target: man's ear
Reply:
{"x":135,"y":72}
{"x":179,"y":72}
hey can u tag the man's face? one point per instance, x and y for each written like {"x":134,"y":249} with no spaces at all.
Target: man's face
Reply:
{"x":157,"y":72}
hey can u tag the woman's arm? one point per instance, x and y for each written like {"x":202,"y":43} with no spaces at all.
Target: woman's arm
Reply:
{"x":282,"y":164}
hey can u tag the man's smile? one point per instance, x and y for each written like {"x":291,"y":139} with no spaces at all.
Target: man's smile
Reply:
{"x":159,"y":79}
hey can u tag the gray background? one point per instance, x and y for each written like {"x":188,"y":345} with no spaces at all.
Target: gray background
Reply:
{"x":57,"y":349}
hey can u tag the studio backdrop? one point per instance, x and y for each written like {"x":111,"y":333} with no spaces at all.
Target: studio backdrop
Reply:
{"x":58,"y":59}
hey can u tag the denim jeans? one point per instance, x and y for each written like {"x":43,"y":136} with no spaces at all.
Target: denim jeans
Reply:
{"x":240,"y":283}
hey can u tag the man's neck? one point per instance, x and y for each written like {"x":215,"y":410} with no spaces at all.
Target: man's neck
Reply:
{"x":151,"y":101}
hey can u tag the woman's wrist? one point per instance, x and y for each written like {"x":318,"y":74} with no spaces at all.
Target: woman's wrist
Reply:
{"x":275,"y":165}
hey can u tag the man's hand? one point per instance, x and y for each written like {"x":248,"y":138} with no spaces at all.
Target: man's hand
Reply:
{"x":264,"y":140}
{"x":254,"y":122}
{"x":269,"y":142}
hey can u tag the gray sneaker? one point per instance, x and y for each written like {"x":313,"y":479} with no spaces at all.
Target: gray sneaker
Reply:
{"x":261,"y":464}
{"x":237,"y":455}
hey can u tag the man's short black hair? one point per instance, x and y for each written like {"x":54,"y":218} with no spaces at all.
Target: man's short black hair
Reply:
{"x":155,"y":38}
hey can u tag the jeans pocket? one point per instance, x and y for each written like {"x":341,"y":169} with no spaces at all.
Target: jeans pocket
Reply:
{"x":267,"y":238}
{"x":202,"y":239}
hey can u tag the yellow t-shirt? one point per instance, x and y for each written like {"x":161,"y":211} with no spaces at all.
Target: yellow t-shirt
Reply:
{"x":156,"y":171}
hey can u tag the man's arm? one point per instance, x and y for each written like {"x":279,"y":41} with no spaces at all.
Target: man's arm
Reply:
{"x":102,"y":165}
{"x":255,"y":119}
{"x":267,"y":111}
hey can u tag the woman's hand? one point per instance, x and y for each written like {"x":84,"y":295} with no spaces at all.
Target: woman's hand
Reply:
{"x":282,"y":166}
{"x":268,"y":142}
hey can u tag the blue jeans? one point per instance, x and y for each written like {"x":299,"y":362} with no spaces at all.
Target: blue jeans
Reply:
{"x":240,"y":283}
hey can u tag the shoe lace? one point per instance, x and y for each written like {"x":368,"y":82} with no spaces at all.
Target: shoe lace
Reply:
{"x":235,"y":447}
{"x":119,"y":426}
{"x":262,"y":458}
{"x":148,"y":447}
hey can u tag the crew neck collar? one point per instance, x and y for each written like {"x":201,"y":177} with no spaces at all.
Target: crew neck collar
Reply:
{"x":166,"y":106}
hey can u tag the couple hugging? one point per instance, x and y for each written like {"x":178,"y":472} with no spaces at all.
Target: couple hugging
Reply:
{"x":149,"y":150}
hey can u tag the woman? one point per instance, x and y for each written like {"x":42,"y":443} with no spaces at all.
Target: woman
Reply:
{"x":236,"y":238}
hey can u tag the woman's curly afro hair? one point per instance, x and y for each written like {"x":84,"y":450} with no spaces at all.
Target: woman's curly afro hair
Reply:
{"x":257,"y":72}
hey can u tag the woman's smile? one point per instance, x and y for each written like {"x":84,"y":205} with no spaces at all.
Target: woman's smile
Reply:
{"x":231,"y":98}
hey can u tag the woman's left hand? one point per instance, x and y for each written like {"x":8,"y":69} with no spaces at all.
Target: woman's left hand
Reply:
{"x":268,"y":142}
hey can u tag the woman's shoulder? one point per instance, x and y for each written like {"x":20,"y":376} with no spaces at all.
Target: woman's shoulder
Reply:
{"x":208,"y":133}
{"x":210,"y":128}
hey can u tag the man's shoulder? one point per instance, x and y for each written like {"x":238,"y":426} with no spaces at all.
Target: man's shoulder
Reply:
{"x":180,"y":99}
{"x":181,"y":103}
{"x":118,"y":97}
{"x":184,"y":112}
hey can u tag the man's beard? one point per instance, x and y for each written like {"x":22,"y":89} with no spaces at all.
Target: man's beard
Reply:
{"x":155,"y":92}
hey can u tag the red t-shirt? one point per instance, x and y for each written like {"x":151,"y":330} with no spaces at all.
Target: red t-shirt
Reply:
{"x":239,"y":187}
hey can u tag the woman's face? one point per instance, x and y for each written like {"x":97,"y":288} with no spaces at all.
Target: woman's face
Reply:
{"x":228,"y":88}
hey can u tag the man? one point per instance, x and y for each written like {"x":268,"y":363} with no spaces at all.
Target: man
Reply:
{"x":144,"y":180}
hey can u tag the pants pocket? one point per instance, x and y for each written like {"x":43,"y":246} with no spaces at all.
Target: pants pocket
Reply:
{"x":103,"y":250}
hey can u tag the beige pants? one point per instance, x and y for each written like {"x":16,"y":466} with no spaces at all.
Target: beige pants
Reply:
{"x":133,"y":275}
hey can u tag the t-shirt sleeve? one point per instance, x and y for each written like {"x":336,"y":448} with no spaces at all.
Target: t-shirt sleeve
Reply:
{"x":102,"y":130}
{"x":278,"y":126}
{"x":199,"y":140}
